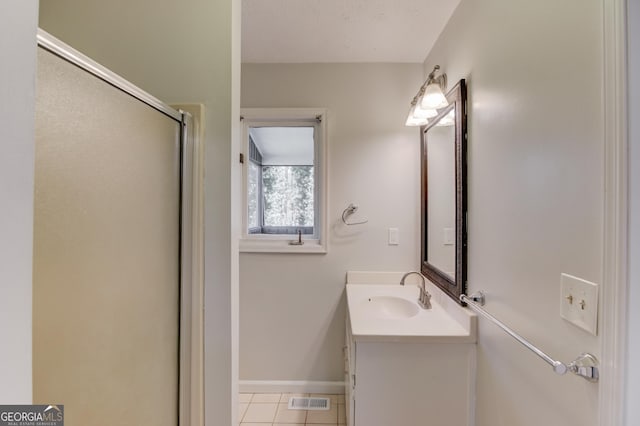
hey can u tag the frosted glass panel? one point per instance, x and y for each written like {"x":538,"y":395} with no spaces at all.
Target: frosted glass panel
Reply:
{"x":106,"y":239}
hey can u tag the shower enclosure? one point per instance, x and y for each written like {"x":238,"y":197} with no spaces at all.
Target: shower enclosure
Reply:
{"x":109,"y":245}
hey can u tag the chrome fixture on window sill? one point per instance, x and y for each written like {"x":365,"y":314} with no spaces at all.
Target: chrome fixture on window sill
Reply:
{"x":428,"y":100}
{"x":299,"y":241}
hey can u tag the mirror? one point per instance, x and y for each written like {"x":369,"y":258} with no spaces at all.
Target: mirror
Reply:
{"x":444,"y":195}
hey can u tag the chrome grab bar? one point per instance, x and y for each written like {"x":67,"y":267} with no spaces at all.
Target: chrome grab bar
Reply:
{"x":585,"y":366}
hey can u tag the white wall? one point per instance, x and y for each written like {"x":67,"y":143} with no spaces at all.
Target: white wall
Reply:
{"x":291,"y":305}
{"x":633,"y":377}
{"x":180,"y":52}
{"x":535,"y":164}
{"x":18,"y":23}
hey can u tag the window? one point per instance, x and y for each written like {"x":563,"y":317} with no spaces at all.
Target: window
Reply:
{"x":280,"y":182}
{"x":285,"y":163}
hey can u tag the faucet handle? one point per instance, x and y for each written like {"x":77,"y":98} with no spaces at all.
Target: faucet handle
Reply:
{"x":424,"y":295}
{"x":425,"y":299}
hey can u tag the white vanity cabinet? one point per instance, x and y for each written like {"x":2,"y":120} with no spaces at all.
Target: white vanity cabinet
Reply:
{"x":407,"y":379}
{"x":349,"y":375}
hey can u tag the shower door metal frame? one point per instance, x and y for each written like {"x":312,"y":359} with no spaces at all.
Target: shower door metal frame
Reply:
{"x":190,"y":368}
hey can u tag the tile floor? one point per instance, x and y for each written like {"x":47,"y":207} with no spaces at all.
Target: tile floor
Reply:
{"x":270,"y":409}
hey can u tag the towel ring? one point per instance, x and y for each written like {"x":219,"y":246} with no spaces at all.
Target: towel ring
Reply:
{"x":351,"y":209}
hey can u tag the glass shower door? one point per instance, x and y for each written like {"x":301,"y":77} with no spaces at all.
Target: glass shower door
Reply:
{"x":106,"y":252}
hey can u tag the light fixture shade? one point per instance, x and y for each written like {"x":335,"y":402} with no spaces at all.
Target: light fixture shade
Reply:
{"x":429,"y":99}
{"x":448,"y":120}
{"x":413,"y":120}
{"x":420,"y":112}
{"x":433,"y":97}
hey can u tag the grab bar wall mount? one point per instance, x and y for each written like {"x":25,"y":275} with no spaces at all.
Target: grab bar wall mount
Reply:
{"x":585,"y":365}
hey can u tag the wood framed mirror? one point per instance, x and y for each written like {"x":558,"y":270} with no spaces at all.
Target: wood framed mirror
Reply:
{"x":444,"y":195}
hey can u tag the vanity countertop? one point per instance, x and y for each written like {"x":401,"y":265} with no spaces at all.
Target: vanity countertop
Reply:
{"x":390,"y":312}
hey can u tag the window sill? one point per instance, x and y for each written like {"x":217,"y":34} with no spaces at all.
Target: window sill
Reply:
{"x":259,"y":245}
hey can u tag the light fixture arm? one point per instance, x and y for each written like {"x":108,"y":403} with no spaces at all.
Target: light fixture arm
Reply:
{"x":416,"y":97}
{"x":440,"y":80}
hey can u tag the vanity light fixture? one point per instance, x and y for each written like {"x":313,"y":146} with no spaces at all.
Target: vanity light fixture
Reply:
{"x":419,"y":116}
{"x":429,"y":98}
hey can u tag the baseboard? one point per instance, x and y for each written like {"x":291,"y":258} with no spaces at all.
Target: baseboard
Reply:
{"x":290,"y":386}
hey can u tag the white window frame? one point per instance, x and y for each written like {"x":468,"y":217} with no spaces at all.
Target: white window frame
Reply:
{"x":252,"y":117}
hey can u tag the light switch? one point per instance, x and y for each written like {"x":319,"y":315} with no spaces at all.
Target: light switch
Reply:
{"x":579,"y":302}
{"x":448,"y":238}
{"x":394,"y":237}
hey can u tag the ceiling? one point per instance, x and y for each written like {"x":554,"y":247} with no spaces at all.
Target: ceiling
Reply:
{"x":286,"y":146}
{"x":298,"y":31}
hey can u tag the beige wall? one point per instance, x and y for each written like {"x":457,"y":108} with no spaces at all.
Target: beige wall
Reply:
{"x":633,"y":378}
{"x":180,"y":52}
{"x":535,"y":167}
{"x":18,"y":22}
{"x":292,"y":306}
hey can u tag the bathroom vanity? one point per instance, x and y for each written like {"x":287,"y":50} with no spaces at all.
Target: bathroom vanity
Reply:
{"x":405,"y":365}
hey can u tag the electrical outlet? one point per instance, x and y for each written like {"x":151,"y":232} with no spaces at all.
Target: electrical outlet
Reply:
{"x":579,"y":302}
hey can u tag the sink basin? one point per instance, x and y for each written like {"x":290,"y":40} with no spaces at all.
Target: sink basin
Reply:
{"x":390,"y":312}
{"x":390,"y":307}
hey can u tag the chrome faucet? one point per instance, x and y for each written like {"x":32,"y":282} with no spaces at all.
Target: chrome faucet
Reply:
{"x":424,"y":299}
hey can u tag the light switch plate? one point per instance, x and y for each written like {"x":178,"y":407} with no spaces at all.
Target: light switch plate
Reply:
{"x":448,"y":236}
{"x":579,"y":302}
{"x":394,"y":237}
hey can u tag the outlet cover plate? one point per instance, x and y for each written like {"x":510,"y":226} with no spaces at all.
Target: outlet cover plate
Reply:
{"x":579,"y":302}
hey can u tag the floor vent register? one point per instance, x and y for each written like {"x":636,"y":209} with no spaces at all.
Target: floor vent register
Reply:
{"x":298,"y":403}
